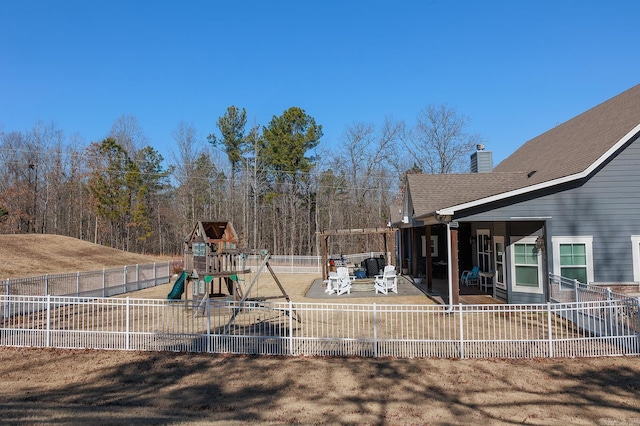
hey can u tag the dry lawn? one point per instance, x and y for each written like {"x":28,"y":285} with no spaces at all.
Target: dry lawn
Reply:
{"x":35,"y":254}
{"x":39,"y":386}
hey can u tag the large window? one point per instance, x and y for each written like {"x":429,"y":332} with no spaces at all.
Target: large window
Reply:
{"x":573,"y":258}
{"x":526,"y":266}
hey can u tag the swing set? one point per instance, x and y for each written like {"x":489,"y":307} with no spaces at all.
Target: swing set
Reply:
{"x":212,"y":259}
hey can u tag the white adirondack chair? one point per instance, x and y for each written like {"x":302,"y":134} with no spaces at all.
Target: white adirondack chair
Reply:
{"x":344,"y":281}
{"x":386,"y":282}
{"x":332,"y":283}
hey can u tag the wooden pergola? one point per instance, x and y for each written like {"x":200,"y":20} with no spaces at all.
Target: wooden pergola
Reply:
{"x":387,"y":233}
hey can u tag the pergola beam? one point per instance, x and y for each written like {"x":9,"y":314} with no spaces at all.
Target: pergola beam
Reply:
{"x":324,"y":236}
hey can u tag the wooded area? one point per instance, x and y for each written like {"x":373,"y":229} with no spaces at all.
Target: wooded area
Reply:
{"x":276,"y":183}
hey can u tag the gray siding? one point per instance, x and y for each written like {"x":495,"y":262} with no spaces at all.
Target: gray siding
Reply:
{"x":606,"y":207}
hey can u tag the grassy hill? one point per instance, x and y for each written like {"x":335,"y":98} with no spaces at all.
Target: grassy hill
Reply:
{"x":25,"y":255}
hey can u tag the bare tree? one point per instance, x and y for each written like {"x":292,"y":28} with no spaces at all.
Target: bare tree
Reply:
{"x":189,"y":149}
{"x":127,"y":132}
{"x":366,"y":161}
{"x":440,"y":143}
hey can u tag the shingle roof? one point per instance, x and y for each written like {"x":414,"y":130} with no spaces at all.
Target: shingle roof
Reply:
{"x":576,"y":144}
{"x":568,"y":149}
{"x":434,"y":192}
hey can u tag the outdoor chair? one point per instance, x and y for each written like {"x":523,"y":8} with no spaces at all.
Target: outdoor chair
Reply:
{"x":386,"y":282}
{"x":332,"y":283}
{"x":344,"y":281}
{"x":470,"y":277}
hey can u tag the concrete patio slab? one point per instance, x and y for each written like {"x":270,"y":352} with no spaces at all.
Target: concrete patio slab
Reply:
{"x":363,"y":288}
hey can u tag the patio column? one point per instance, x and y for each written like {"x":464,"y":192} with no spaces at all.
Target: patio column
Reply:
{"x":455,"y":276}
{"x":415,"y":252}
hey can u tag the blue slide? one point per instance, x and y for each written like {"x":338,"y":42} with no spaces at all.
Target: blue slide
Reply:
{"x":178,"y":287}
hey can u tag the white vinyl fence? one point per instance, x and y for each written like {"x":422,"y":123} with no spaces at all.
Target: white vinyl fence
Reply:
{"x":366,"y":330}
{"x":104,"y":283}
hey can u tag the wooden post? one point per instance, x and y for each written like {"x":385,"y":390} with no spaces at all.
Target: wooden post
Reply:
{"x":392,"y":249}
{"x":455,"y":280}
{"x":415,"y":251}
{"x":323,"y":248}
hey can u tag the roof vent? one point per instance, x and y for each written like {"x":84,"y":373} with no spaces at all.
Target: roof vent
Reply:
{"x":531,"y":173}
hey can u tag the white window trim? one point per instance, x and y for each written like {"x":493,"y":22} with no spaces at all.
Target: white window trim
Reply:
{"x":486,"y":233}
{"x":587,"y":241}
{"x":635,"y":251}
{"x":512,"y":258}
{"x":501,"y":285}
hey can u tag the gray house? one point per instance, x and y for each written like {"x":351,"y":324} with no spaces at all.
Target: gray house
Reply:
{"x":566,"y":202}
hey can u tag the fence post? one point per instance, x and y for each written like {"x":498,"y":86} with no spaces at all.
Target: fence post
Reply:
{"x":104,"y":283}
{"x":610,"y":316}
{"x":638,"y":329}
{"x":290,"y":327}
{"x":461,"y":332}
{"x":48,"y":337}
{"x":46,"y":284}
{"x":550,"y":331}
{"x":78,"y":283}
{"x":576,"y":299}
{"x":137,"y":276}
{"x":155,"y":280}
{"x":7,"y":311}
{"x":128,"y":324}
{"x":125,"y":279}
{"x":375,"y":332}
{"x":208,"y":323}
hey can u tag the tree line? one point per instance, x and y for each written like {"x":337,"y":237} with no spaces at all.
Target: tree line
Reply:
{"x":276,"y":183}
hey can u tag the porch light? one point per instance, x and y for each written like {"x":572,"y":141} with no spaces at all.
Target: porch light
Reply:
{"x":539,"y":243}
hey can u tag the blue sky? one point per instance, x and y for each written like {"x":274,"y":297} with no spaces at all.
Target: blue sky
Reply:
{"x":515,"y":68}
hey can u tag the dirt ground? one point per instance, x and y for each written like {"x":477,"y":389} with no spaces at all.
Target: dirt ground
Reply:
{"x":41,"y":386}
{"x":107,"y":387}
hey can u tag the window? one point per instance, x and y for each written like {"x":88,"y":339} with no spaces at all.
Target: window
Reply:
{"x":635,"y":250}
{"x":573,"y":261}
{"x":434,"y":246}
{"x":526,"y":261}
{"x":199,"y":249}
{"x":573,"y":258}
